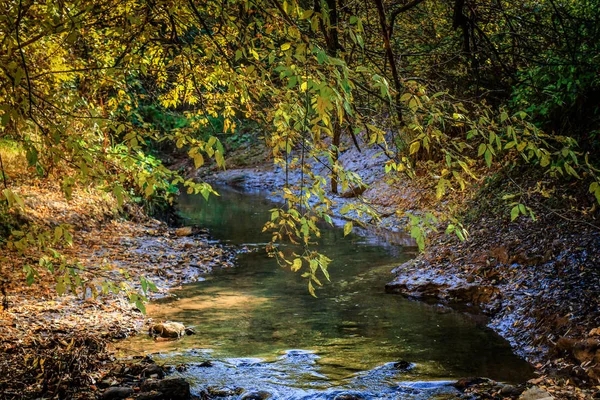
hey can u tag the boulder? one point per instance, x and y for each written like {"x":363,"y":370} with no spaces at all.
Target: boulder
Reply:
{"x":464,"y":383}
{"x":348,"y":396}
{"x":402,"y":365}
{"x":510,"y":391}
{"x":171,"y":330}
{"x":535,"y":393}
{"x":258,"y":395}
{"x":429,"y":286}
{"x":114,"y":393}
{"x":153,"y":371}
{"x":170,"y":388}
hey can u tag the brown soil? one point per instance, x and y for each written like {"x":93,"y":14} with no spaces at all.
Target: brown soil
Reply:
{"x":56,"y":346}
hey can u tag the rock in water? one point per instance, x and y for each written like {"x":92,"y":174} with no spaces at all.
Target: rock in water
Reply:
{"x":171,"y":388}
{"x":172,"y":330}
{"x":153,"y":371}
{"x":260,"y":395}
{"x":464,"y":383}
{"x":190,"y":331}
{"x":402,"y":365}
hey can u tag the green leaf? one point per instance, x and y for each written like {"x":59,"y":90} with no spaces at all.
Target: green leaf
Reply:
{"x":488,"y":158}
{"x":514,"y":213}
{"x":60,"y":288}
{"x":141,"y":306}
{"x":481,"y":149}
{"x":144,"y":284}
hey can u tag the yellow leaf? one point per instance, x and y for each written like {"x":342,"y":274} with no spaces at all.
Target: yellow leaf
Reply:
{"x":414,"y":147}
{"x":347,"y":228}
{"x":296,"y":265}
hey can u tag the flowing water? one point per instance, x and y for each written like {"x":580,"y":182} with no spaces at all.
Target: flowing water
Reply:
{"x":262,"y":331}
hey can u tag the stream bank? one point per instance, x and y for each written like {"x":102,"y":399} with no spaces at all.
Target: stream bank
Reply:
{"x":537,"y":281}
{"x":57,"y":346}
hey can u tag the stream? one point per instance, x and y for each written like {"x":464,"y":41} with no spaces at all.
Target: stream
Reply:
{"x":261,"y":330}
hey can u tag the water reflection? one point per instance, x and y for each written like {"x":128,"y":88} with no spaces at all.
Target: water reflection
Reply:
{"x":347,"y":338}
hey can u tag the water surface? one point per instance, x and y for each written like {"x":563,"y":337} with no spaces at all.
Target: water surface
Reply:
{"x":261,"y":329}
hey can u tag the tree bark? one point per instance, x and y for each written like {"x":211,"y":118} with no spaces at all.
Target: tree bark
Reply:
{"x":390,"y":56}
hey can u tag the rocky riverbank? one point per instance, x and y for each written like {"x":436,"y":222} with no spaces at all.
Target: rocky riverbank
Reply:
{"x":537,"y":280}
{"x":56,"y":346}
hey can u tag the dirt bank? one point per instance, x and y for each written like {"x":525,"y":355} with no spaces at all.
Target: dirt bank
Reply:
{"x":55,"y":346}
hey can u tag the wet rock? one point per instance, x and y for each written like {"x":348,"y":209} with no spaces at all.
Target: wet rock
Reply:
{"x":427,"y":285}
{"x":205,"y":364}
{"x":402,"y":365}
{"x":185,"y":231}
{"x":170,"y":388}
{"x":114,"y":393}
{"x":510,"y":391}
{"x":171,"y":330}
{"x":190,"y":331}
{"x":223,"y":392}
{"x":535,"y":393}
{"x":153,"y":371}
{"x":348,"y":396}
{"x":258,"y":395}
{"x":464,"y":383}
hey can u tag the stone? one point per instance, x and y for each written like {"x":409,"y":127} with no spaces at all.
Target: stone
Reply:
{"x":464,"y":383}
{"x":185,"y":231}
{"x":510,"y":391}
{"x":153,"y":371}
{"x":172,"y":330}
{"x":258,"y":395}
{"x":535,"y":393}
{"x":402,"y":365}
{"x":190,"y":331}
{"x":171,"y":388}
{"x":213,"y":391}
{"x":426,"y":285}
{"x":348,"y":396}
{"x":115,"y":392}
{"x":205,"y":364}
